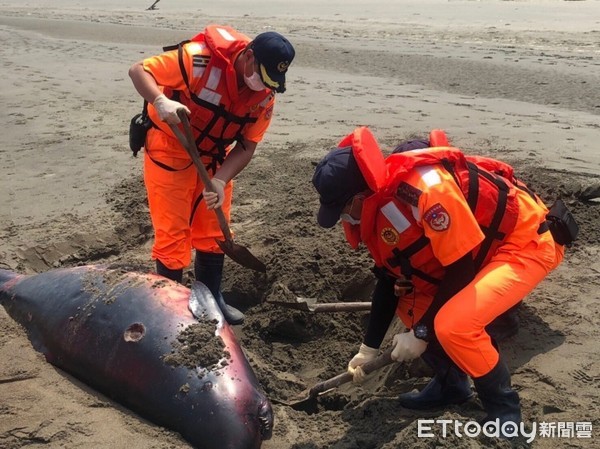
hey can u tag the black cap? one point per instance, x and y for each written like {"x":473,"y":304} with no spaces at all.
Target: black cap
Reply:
{"x":274,"y":54}
{"x":337,"y":178}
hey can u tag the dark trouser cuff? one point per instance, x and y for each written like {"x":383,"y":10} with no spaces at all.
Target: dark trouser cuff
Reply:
{"x":174,"y":275}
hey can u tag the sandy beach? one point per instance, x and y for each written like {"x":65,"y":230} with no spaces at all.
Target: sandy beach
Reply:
{"x":516,"y":80}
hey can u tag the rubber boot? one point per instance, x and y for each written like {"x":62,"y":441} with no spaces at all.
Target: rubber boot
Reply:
{"x":506,"y":325}
{"x":174,"y":275}
{"x":448,"y":386}
{"x":208,"y":269}
{"x":499,"y":400}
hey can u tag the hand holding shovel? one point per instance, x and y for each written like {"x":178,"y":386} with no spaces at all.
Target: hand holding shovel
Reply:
{"x":236,"y":252}
{"x":307,"y":400}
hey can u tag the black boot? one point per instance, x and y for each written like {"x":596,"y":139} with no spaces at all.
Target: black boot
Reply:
{"x":506,"y":325}
{"x":208,"y":269}
{"x":174,"y":275}
{"x":499,"y":400}
{"x":448,"y":386}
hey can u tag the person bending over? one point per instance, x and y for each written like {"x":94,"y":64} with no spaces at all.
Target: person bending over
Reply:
{"x":226,"y":84}
{"x":457,"y":242}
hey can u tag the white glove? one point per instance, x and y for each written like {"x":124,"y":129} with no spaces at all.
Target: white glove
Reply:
{"x":365,"y":354}
{"x":407,"y":347}
{"x":215,"y":199}
{"x":167,"y":109}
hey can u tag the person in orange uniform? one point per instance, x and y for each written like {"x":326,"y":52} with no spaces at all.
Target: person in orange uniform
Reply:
{"x":457,"y":242}
{"x":226,"y":83}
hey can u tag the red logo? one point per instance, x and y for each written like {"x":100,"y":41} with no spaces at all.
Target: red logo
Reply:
{"x":437,"y":217}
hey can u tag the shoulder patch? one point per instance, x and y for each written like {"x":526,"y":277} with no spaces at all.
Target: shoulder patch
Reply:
{"x":437,"y":217}
{"x":408,"y":194}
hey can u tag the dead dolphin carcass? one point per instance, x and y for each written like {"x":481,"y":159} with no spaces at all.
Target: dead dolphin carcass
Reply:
{"x":133,"y":337}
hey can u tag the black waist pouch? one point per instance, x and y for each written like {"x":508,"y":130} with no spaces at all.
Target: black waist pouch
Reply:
{"x":562,"y":224}
{"x":138,"y":128}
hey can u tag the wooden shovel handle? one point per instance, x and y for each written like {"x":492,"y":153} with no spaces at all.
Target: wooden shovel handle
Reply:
{"x":381,"y":361}
{"x":341,"y":307}
{"x":188,"y":143}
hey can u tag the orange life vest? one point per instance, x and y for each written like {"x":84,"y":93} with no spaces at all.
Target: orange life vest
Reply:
{"x":218,"y":114}
{"x":490,"y":196}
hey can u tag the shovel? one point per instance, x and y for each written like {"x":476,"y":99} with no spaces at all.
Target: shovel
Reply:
{"x":236,"y":252}
{"x":311,"y":305}
{"x":307,"y":400}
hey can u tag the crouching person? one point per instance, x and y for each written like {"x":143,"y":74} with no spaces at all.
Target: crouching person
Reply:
{"x":457,"y":242}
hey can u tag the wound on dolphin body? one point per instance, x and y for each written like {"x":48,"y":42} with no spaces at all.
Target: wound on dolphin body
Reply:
{"x":134,"y":332}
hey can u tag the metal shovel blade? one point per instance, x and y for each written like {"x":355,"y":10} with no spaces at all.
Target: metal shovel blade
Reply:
{"x":307,"y":400}
{"x":241,"y":255}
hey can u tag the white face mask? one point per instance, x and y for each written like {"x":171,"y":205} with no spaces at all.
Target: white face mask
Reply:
{"x":349,"y":219}
{"x":254,"y":82}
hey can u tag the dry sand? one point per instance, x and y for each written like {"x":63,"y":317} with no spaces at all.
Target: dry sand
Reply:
{"x":516,"y":80}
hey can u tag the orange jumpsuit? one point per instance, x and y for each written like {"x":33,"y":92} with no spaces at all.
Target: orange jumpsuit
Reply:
{"x":419,"y":221}
{"x":200,"y":75}
{"x":517,"y":266}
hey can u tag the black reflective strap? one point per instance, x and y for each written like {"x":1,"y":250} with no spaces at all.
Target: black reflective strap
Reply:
{"x":524,"y":187}
{"x":175,"y":46}
{"x":488,"y":231}
{"x":496,"y":179}
{"x":219,"y":111}
{"x":450,"y":169}
{"x":182,"y":65}
{"x":194,"y":207}
{"x":473,"y":195}
{"x":491,"y":233}
{"x":165,"y":166}
{"x":414,"y":247}
{"x":402,"y":259}
{"x":399,"y":260}
{"x":221,"y":156}
{"x":204,"y":133}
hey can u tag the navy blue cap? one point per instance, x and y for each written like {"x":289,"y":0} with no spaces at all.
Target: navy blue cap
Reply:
{"x":337,"y":178}
{"x":410,"y":145}
{"x":274,"y":54}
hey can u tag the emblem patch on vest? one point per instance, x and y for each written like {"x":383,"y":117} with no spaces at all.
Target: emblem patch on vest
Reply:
{"x":437,"y":217}
{"x":408,"y":194}
{"x":390,"y":236}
